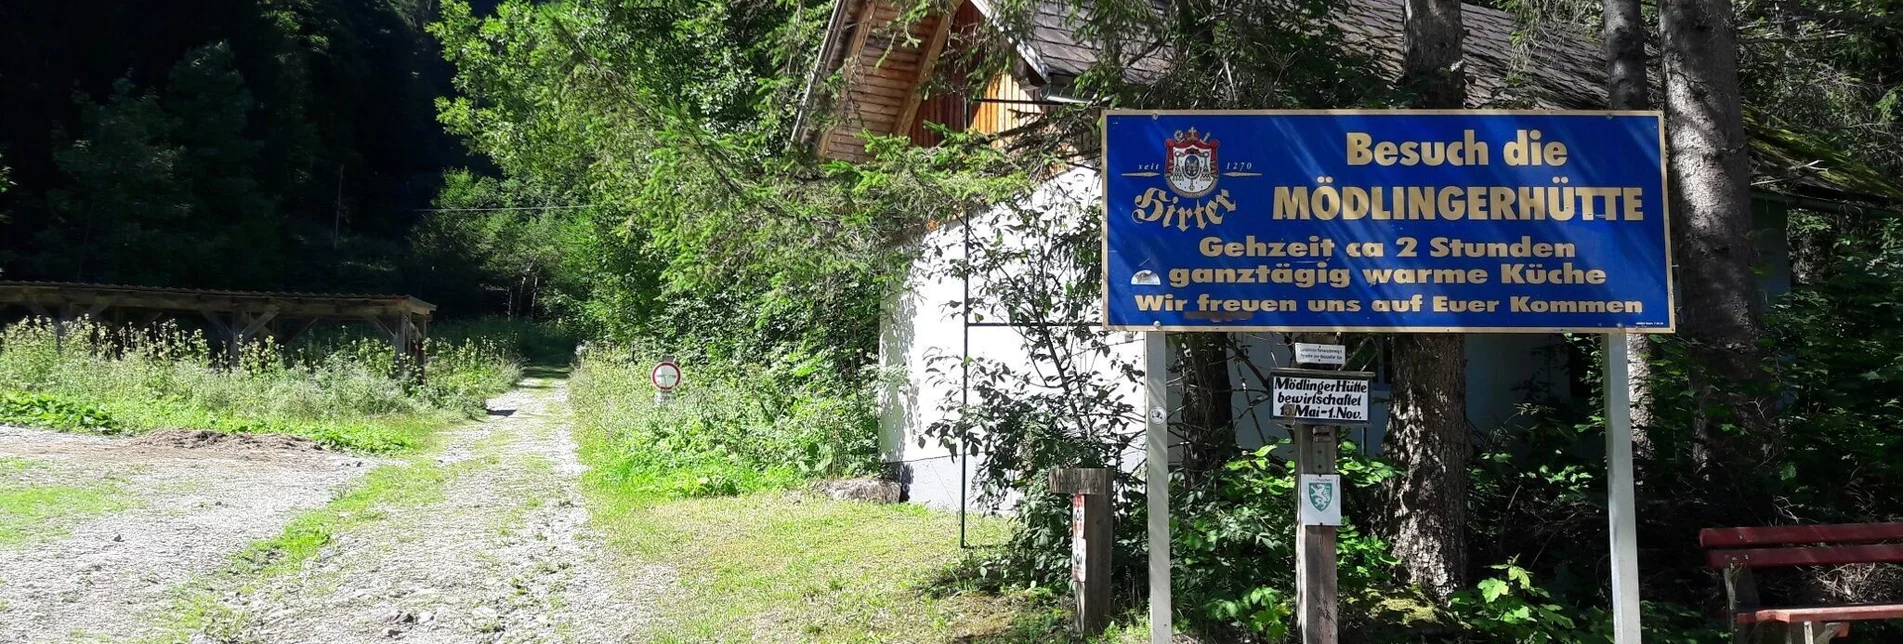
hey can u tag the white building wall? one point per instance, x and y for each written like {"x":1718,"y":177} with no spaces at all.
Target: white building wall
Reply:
{"x":924,"y":336}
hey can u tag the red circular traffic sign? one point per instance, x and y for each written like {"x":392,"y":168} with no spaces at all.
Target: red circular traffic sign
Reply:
{"x":666,"y":376}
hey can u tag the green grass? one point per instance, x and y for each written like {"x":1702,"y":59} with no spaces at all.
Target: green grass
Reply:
{"x":780,"y":566}
{"x":756,"y":562}
{"x":33,"y":511}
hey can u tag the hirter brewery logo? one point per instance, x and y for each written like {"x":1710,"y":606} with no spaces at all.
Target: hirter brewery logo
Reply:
{"x":1188,"y":197}
{"x":1191,"y":164}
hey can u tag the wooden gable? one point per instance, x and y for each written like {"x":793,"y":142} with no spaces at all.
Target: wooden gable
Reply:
{"x":885,"y":83}
{"x":886,"y":64}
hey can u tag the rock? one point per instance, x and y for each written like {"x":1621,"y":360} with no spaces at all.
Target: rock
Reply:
{"x":862,"y":489}
{"x":392,"y":632}
{"x":118,"y":537}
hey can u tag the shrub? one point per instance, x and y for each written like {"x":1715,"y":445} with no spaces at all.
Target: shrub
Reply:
{"x":729,"y":428}
{"x":41,"y":410}
{"x":337,"y":388}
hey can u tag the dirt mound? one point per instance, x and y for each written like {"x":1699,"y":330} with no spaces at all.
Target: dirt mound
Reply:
{"x":862,"y":489}
{"x":203,"y":439}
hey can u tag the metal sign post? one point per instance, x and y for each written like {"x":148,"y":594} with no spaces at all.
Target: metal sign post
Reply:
{"x":1156,"y":479}
{"x":1621,"y":510}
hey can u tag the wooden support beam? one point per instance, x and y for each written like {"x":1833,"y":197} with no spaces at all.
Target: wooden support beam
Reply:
{"x":388,"y":334}
{"x":256,"y":322}
{"x":297,"y":330}
{"x":218,"y":325}
{"x":928,"y":64}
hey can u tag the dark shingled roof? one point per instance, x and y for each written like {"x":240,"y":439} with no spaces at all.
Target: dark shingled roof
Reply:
{"x":1562,"y":71}
{"x":1558,"y":70}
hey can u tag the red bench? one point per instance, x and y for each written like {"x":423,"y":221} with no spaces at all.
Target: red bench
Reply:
{"x":1738,"y":550}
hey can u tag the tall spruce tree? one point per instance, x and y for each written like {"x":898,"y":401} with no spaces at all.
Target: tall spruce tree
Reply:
{"x":1627,"y":89}
{"x":1711,"y":217}
{"x":1428,"y":435}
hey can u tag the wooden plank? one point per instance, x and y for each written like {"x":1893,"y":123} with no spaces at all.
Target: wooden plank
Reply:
{"x":878,"y":103}
{"x":904,"y":76}
{"x":882,"y":82}
{"x":882,"y":91}
{"x":880,"y":120}
{"x":1796,"y":534}
{"x":932,"y":52}
{"x":257,"y":322}
{"x":1820,"y":556}
{"x":852,"y":53}
{"x":1858,"y":613}
{"x":891,"y":57}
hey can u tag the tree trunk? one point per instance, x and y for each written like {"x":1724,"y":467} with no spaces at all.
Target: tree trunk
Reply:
{"x":1721,"y":309}
{"x":1208,"y":430}
{"x":1209,"y":435}
{"x":1626,"y":89}
{"x":1427,"y":428}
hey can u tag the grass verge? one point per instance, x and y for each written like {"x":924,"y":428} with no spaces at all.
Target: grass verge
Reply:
{"x":789,"y":567}
{"x":777,"y":565}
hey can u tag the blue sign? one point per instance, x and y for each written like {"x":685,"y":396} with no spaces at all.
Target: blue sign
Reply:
{"x":1431,"y":221}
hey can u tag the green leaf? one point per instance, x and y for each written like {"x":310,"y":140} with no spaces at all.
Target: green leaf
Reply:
{"x":1492,"y":589}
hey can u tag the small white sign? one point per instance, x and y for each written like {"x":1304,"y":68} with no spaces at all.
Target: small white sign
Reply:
{"x":1316,"y":397}
{"x":1333,"y":354}
{"x":666,"y":376}
{"x":1319,"y":497}
{"x":1079,"y":549}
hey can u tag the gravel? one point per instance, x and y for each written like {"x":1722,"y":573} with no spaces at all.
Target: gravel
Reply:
{"x":189,"y":510}
{"x":505,"y":556}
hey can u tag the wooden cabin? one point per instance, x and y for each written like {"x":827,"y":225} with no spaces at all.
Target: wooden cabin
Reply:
{"x":890,"y":75}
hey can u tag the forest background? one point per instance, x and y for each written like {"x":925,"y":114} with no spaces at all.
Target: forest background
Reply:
{"x":633,"y":173}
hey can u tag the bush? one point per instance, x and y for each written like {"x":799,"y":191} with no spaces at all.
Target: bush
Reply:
{"x":41,"y":410}
{"x":338,"y":389}
{"x":729,"y":428}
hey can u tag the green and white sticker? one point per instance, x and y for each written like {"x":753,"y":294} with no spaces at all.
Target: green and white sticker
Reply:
{"x":1319,"y":497}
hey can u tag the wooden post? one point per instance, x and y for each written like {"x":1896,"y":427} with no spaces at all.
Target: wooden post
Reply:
{"x":1316,"y":600}
{"x":1089,"y":489}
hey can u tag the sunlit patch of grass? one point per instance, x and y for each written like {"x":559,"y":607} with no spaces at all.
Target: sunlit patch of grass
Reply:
{"x":31,"y":512}
{"x":780,"y":566}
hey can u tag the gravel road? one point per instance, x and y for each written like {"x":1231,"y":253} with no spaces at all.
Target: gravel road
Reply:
{"x":189,"y":510}
{"x":504,"y":555}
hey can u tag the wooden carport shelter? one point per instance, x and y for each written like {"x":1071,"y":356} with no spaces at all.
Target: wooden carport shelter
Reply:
{"x":234,"y":317}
